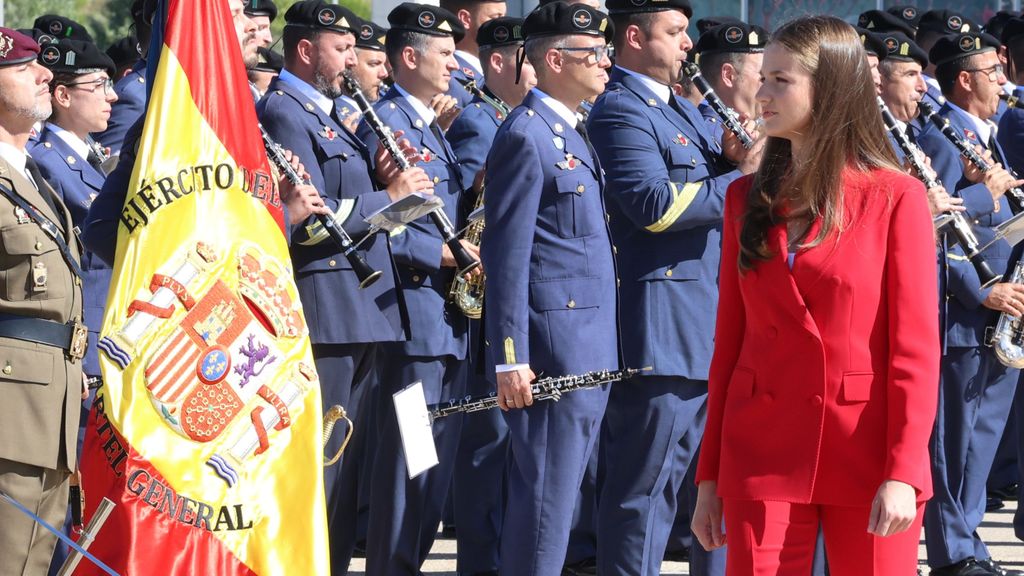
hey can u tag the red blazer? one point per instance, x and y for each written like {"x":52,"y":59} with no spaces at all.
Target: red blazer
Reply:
{"x":824,"y":380}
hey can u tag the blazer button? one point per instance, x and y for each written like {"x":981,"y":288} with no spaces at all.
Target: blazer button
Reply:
{"x":416,"y":278}
{"x":39,"y":245}
{"x":332,"y":263}
{"x":8,"y":369}
{"x":581,"y":188}
{"x":668,"y":273}
{"x":817,"y":400}
{"x":437,"y":179}
{"x":571,"y":304}
{"x":615,"y":250}
{"x":767,"y":398}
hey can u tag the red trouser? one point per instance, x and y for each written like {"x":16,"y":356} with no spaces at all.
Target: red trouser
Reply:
{"x":777,"y":539}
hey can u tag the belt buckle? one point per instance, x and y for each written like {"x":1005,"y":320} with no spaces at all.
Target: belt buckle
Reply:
{"x":79,"y":340}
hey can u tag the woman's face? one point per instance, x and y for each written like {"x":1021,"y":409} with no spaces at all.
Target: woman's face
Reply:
{"x":785,"y":95}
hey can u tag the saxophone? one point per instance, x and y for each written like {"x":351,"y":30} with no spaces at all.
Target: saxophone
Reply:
{"x":468,"y":295}
{"x":1007,"y":338}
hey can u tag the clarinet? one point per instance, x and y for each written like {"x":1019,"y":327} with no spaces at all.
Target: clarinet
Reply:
{"x":472,"y":88}
{"x":1015,"y":196}
{"x":728,"y":115}
{"x":544,"y":389}
{"x":958,"y":224}
{"x":464,"y":261}
{"x":366,"y":274}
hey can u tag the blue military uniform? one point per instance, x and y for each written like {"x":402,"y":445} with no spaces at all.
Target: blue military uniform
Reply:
{"x":551,"y":304}
{"x":480,"y":465}
{"x":345,"y":321}
{"x":665,"y":196}
{"x":130,"y":106}
{"x":1011,"y":133}
{"x":973,"y":395}
{"x":400,"y":535}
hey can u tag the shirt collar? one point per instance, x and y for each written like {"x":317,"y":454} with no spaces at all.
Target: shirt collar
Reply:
{"x":983,"y":128}
{"x":14,"y":156}
{"x":306,"y":89}
{"x":426,"y":114}
{"x":561,"y":109}
{"x":473,"y":61}
{"x":77,"y":144}
{"x":660,"y":90}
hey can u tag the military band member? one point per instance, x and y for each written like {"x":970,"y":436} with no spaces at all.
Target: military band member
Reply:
{"x":1011,"y":125}
{"x":551,"y":296}
{"x":125,"y":53}
{"x":730,"y":58}
{"x":268,"y":66}
{"x":665,"y":196}
{"x":42,"y":339}
{"x":975,"y":387}
{"x":480,"y":465}
{"x":909,"y":14}
{"x":933,"y":25}
{"x":405,"y":513}
{"x":472,"y":14}
{"x":370,"y":71}
{"x":345,"y":321}
{"x":60,"y":27}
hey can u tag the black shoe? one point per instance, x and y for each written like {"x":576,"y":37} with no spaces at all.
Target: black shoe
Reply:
{"x":993,"y":504}
{"x":967,"y":567}
{"x":360,"y":549}
{"x":995,"y":569}
{"x":1004,"y":493}
{"x":586,"y":567}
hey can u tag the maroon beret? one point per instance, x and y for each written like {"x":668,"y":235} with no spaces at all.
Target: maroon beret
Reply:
{"x":16,"y":48}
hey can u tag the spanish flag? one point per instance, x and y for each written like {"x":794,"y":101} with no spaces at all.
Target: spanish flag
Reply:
{"x":207,"y":432}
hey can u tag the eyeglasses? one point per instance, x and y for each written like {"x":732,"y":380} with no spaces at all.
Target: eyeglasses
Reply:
{"x":994,"y":71}
{"x":599,"y":52}
{"x":106,"y":83}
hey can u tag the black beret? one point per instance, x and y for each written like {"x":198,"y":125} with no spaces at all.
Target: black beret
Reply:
{"x":705,"y":24}
{"x":997,"y":22}
{"x":426,"y":19}
{"x":899,"y":46}
{"x":559,"y":18}
{"x":125,"y":51}
{"x":371,"y":36}
{"x":39,"y":36}
{"x":268,"y":61}
{"x":955,"y":46}
{"x":321,"y":15}
{"x":75,"y":56}
{"x":16,"y":47}
{"x":143,"y":10}
{"x":945,"y":22}
{"x":61,"y":27}
{"x":634,"y":6}
{"x":881,"y":21}
{"x":909,"y":14}
{"x":872,"y":42}
{"x":733,"y":37}
{"x":261,"y":8}
{"x":1013,"y":29}
{"x":504,"y":31}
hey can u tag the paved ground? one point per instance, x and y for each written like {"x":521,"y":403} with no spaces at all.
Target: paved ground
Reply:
{"x":997,"y":530}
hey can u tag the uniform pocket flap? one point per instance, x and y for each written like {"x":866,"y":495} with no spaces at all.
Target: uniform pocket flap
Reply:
{"x":23,"y":365}
{"x":566,"y":294}
{"x":857,"y":386}
{"x":688,"y":270}
{"x":28,"y":240}
{"x":679,"y":155}
{"x":574,"y":181}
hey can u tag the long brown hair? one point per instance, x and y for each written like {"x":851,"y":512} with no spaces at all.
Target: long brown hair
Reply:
{"x":845,"y":130}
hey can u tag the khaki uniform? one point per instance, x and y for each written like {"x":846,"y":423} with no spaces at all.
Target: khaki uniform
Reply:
{"x":40,"y":385}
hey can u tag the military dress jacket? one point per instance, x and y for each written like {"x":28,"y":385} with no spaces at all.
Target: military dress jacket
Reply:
{"x":551,"y":297}
{"x":40,"y":386}
{"x":665,"y":195}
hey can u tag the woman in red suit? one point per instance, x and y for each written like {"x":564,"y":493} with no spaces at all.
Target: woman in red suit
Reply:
{"x":823,"y":385}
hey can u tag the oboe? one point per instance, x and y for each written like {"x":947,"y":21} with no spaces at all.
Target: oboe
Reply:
{"x":729,"y":118}
{"x":543,"y":389}
{"x":1015,"y":196}
{"x":464,"y":261}
{"x":366,"y":274}
{"x":958,"y":224}
{"x":472,"y":88}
